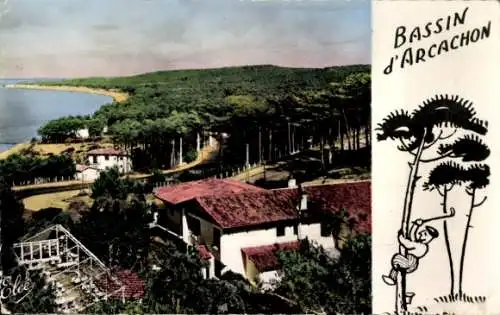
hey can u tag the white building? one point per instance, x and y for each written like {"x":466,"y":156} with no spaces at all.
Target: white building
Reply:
{"x":107,"y":158}
{"x":83,"y":133}
{"x":86,"y":172}
{"x":243,"y":226}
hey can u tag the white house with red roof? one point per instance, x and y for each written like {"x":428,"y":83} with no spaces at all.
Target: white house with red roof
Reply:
{"x":242,"y":226}
{"x":109,"y":157}
{"x":86,"y":172}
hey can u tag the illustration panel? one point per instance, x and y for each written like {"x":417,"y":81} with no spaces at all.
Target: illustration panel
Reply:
{"x":434,"y":156}
{"x":185,"y":157}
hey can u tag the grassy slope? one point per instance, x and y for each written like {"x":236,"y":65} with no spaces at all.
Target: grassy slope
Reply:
{"x":55,"y":149}
{"x":56,"y":200}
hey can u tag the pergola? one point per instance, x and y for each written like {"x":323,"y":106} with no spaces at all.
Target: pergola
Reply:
{"x":81,"y":279}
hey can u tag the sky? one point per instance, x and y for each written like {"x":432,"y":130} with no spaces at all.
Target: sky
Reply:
{"x":81,"y":38}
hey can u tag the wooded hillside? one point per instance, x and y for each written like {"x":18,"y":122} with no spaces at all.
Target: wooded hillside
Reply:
{"x":274,"y":110}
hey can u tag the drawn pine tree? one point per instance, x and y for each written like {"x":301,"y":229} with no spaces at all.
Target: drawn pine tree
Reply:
{"x":448,"y":175}
{"x":417,"y":133}
{"x":478,"y":178}
{"x":444,"y":178}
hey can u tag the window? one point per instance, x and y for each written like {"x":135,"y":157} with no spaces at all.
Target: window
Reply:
{"x":216,"y":240}
{"x":94,"y":159}
{"x":280,"y":231}
{"x":296,"y":229}
{"x":121,"y":158}
{"x":218,"y":268}
{"x":325,"y":229}
{"x":194,"y":225}
{"x":106,"y":157}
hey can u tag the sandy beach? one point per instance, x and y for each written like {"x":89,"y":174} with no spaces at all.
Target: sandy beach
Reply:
{"x":118,"y":96}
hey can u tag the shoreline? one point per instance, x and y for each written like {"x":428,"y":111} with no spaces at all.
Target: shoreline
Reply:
{"x":13,"y":149}
{"x":118,"y":96}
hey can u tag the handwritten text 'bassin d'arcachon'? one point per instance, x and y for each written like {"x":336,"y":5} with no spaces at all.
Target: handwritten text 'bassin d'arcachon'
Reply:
{"x":411,"y":55}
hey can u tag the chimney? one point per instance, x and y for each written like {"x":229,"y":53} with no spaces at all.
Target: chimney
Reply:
{"x":292,"y":183}
{"x":303,"y":202}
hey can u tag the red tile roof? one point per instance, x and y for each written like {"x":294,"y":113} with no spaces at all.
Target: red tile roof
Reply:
{"x":204,"y":252}
{"x":264,"y":257}
{"x":190,"y":190}
{"x":82,"y":168}
{"x":355,"y":198}
{"x":108,"y":151}
{"x":249,"y":208}
{"x":134,"y":286}
{"x":254,"y":208}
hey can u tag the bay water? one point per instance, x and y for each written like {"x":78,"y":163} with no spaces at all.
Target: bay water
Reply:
{"x":23,"y":111}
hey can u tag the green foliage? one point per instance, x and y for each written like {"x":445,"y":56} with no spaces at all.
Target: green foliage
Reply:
{"x":110,"y":184}
{"x":60,"y":129}
{"x":320,"y":283}
{"x":157,"y":177}
{"x":116,"y":227}
{"x":190,"y":156}
{"x":95,"y":127}
{"x":116,"y":231}
{"x":112,"y":307}
{"x":166,"y":105}
{"x":41,"y":220}
{"x":41,"y":298}
{"x":179,"y":287}
{"x":26,"y":168}
{"x":11,"y":220}
{"x":247,"y":105}
{"x":357,"y":85}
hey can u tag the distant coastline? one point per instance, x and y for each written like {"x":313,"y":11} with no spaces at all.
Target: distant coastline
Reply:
{"x":118,"y":96}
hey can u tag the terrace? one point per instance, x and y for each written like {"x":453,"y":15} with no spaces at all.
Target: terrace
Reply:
{"x":79,"y":277}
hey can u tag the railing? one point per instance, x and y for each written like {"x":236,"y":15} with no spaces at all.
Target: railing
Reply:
{"x":166,"y":230}
{"x":37,"y":246}
{"x":216,"y":172}
{"x":89,"y":270}
{"x":42,"y":180}
{"x":160,"y":184}
{"x":59,"y":228}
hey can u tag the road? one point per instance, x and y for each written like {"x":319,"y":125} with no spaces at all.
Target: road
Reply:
{"x":206,"y":154}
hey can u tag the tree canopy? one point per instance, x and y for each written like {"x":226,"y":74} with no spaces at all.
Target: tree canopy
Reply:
{"x":272,"y":109}
{"x":321,"y":283}
{"x":17,"y":168}
{"x":11,"y":224}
